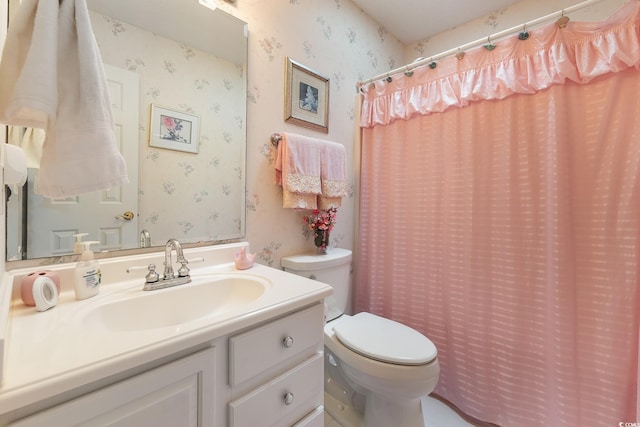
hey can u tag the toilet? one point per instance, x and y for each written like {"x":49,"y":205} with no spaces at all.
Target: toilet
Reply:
{"x":377,"y":371}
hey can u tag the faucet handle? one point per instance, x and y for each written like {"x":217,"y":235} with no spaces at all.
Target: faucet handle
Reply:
{"x":183,"y":271}
{"x":152,"y":276}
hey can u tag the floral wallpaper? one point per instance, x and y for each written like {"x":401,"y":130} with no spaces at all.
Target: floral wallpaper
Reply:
{"x":175,"y":196}
{"x":332,"y":37}
{"x":338,"y":40}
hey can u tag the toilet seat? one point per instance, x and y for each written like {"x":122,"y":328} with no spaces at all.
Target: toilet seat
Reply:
{"x":384,"y":340}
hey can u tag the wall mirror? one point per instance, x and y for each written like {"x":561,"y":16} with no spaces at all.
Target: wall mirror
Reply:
{"x":177,"y":74}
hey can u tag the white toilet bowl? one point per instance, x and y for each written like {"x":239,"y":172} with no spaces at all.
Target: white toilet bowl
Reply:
{"x":390,"y":364}
{"x":375,"y":368}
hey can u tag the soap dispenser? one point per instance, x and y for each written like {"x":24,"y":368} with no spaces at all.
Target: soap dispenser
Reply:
{"x":78,"y":246}
{"x":87,"y":276}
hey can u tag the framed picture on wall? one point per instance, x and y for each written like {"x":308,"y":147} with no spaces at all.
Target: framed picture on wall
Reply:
{"x":173,"y":130}
{"x":306,"y":97}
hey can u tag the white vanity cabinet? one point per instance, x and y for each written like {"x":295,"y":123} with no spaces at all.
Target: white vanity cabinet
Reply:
{"x":268,"y":375}
{"x":276,"y":372}
{"x":176,"y":394}
{"x":240,"y":363}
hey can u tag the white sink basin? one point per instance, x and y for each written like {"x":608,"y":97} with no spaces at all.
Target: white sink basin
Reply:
{"x":203,"y":297}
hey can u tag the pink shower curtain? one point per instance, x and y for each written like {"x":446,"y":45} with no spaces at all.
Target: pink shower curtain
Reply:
{"x":500,"y":216}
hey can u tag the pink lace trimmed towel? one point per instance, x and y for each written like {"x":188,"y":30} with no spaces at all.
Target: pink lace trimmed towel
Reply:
{"x":312,"y":172}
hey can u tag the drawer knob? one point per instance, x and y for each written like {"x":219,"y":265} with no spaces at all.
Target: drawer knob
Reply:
{"x":287,"y":342}
{"x":289,"y":398}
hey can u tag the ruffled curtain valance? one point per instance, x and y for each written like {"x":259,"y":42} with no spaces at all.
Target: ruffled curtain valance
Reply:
{"x":550,"y":56}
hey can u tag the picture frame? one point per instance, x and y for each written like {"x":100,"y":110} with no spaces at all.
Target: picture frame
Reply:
{"x":306,"y":98}
{"x":174,"y":130}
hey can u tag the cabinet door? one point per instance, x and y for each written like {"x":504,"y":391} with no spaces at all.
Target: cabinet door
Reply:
{"x":177,"y":394}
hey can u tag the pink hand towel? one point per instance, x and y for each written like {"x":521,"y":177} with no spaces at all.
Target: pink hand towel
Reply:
{"x":333,"y":173}
{"x":298,"y":166}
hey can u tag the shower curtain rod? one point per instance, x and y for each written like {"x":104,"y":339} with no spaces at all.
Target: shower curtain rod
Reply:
{"x":487,"y":40}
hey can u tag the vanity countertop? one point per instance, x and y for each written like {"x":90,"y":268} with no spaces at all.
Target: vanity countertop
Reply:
{"x":48,"y":353}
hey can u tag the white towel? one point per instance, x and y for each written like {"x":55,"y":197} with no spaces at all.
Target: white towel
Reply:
{"x":28,"y":71}
{"x":58,"y":84}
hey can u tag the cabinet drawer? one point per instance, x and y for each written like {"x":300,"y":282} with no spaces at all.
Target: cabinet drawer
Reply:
{"x":283,"y":401}
{"x":257,"y":350}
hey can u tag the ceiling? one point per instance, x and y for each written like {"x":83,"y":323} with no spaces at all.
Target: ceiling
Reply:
{"x":414,"y":20}
{"x":191,"y":24}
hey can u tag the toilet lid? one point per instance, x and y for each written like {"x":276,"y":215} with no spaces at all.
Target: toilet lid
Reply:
{"x":385,"y":340}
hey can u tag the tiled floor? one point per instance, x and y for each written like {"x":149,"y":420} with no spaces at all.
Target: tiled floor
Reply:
{"x":330,"y":422}
{"x":440,"y":415}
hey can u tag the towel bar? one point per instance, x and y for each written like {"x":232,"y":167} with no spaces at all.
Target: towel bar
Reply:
{"x":275,"y":139}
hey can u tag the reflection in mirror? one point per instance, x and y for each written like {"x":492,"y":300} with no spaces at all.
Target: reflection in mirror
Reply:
{"x":189,"y":63}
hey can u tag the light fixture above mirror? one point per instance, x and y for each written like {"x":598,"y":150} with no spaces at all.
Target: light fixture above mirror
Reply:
{"x":208,"y":3}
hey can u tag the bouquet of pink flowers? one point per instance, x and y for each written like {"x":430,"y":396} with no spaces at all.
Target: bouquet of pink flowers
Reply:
{"x":321,"y":220}
{"x":321,"y":223}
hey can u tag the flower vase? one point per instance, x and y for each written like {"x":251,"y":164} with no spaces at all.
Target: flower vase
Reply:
{"x":321,"y":240}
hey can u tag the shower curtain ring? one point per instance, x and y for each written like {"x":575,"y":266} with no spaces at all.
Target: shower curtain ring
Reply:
{"x":408,"y":72}
{"x":460,"y":54}
{"x":389,"y":79}
{"x":524,"y":34}
{"x":562,"y":21}
{"x":489,"y":45}
{"x":432,"y":64}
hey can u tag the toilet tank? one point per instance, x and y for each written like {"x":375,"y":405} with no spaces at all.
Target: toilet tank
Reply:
{"x":332,"y":268}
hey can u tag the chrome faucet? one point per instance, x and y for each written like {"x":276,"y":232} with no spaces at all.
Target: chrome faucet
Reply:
{"x":168,"y":264}
{"x":145,"y":239}
{"x":155,"y":281}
